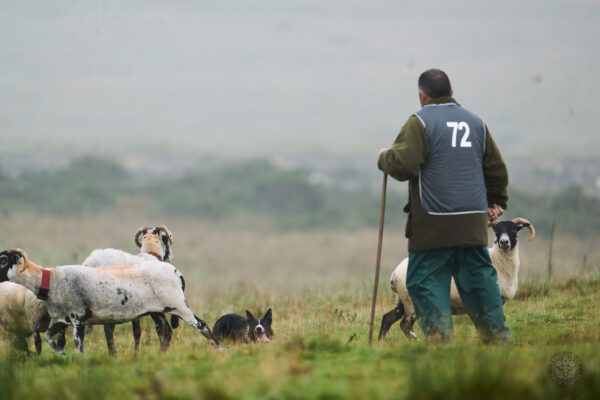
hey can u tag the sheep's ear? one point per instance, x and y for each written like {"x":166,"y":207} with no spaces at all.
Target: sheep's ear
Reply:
{"x":521,"y":226}
{"x":249,"y":316}
{"x":169,"y":235}
{"x":17,"y":258}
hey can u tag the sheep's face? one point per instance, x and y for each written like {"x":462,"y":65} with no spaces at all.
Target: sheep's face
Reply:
{"x":10,"y":263}
{"x":506,"y":234}
{"x":156,"y":240}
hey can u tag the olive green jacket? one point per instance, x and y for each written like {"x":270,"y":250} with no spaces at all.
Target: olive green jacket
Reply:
{"x":427,"y":232}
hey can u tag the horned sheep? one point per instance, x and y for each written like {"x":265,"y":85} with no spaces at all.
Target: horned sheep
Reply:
{"x":505,"y":258}
{"x":154,"y":243}
{"x":80,"y":295}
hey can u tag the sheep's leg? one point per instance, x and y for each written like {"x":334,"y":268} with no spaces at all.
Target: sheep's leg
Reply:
{"x":137,"y":333}
{"x":188,"y":316}
{"x":37,"y":340}
{"x":78,"y":335}
{"x":407,"y":326}
{"x":61,"y":341}
{"x":20,"y":343}
{"x":163,"y":330}
{"x":205,"y":330}
{"x":389,"y":319}
{"x":110,"y":338}
{"x":56,"y":328}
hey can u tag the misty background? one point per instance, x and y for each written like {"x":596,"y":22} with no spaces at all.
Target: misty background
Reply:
{"x":276,"y":110}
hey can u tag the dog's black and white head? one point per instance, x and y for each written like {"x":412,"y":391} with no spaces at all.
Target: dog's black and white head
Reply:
{"x":157,"y":240}
{"x":10,"y":261}
{"x":259,"y":330}
{"x":506,"y":232}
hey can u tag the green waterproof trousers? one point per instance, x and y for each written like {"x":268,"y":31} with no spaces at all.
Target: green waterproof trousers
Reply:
{"x":428,"y":282}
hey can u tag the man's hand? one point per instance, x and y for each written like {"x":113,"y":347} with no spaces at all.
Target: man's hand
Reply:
{"x":494,"y":212}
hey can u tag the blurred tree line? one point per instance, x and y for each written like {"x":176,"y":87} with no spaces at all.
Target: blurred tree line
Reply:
{"x":284,"y":197}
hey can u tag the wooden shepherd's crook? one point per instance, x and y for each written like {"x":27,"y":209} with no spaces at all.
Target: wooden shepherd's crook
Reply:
{"x":378,"y":263}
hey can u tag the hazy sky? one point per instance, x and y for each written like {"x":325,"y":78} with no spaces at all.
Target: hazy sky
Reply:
{"x":291,"y":77}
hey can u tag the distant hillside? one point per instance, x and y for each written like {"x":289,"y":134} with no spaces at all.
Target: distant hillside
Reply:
{"x":280,"y":197}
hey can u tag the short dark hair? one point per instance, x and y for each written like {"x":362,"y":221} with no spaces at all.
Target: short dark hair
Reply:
{"x":435,"y":83}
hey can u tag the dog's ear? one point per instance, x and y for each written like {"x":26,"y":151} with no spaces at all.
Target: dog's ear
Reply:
{"x":268,"y":315}
{"x":249,"y":316}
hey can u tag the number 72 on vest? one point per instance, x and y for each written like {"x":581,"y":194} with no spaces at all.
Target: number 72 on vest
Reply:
{"x":460,"y":126}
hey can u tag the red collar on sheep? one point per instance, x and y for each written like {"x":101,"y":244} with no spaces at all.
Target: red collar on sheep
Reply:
{"x":45,"y":286}
{"x":156,"y":255}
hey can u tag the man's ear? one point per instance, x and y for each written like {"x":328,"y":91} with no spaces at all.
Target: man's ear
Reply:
{"x":249,"y":316}
{"x":424,"y":98}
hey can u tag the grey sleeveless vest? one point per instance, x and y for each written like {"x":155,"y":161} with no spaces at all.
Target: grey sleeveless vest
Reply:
{"x":451,"y":179}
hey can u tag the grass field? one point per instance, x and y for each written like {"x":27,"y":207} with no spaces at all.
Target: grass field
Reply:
{"x":319,"y":286}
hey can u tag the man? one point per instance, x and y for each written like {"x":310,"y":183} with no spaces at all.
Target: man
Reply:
{"x":457,"y":180}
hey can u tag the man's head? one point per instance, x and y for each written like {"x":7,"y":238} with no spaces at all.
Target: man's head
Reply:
{"x":433,"y":83}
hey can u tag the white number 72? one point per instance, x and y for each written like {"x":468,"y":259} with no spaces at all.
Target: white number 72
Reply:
{"x":459,"y":126}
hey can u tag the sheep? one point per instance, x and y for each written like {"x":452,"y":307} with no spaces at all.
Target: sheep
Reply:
{"x":22,"y":314}
{"x":80,"y":295}
{"x":505,"y":258}
{"x":155,"y":244}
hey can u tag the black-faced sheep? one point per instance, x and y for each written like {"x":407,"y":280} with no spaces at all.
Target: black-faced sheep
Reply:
{"x":505,"y":258}
{"x":79,"y":295}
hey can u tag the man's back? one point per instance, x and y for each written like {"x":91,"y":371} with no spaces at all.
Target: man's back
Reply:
{"x":451,"y":178}
{"x":405,"y":161}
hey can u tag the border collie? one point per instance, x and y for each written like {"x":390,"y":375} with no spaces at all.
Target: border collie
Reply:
{"x":239,"y":329}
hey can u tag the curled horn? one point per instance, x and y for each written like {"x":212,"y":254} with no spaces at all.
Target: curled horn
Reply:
{"x":528,"y":224}
{"x":169,"y":234}
{"x":492,"y":223}
{"x":22,"y":253}
{"x":136,"y":237}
